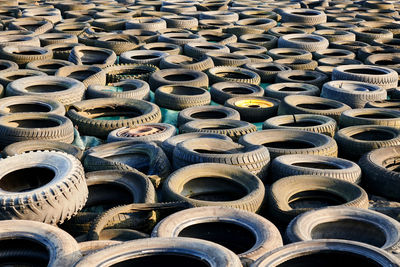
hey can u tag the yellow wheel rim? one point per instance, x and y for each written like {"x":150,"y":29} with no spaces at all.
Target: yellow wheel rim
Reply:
{"x":254,"y":103}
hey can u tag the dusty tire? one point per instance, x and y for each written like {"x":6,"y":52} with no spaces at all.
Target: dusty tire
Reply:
{"x":41,"y":145}
{"x":370,"y":116}
{"x":380,"y":171}
{"x":281,"y":90}
{"x":343,"y":220}
{"x":232,"y":74}
{"x":254,"y":109}
{"x":329,"y":192}
{"x":179,"y":97}
{"x":222,"y":91}
{"x":82,"y":116}
{"x":179,"y":77}
{"x":355,"y":141}
{"x":304,"y":16}
{"x":267,"y":235}
{"x":283,"y":142}
{"x":312,"y":105}
{"x":63,"y":89}
{"x":306,"y":122}
{"x":129,"y":88}
{"x":185,"y":250}
{"x":289,"y":165}
{"x":308,"y":42}
{"x":267,"y":71}
{"x":88,"y":75}
{"x":231,"y":128}
{"x":17,"y":104}
{"x":249,"y":200}
{"x":29,"y":242}
{"x":302,"y":76}
{"x":149,"y":132}
{"x":59,"y":193}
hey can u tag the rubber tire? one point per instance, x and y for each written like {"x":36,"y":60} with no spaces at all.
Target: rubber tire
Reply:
{"x":245,"y":75}
{"x":254,"y":113}
{"x":289,"y":165}
{"x":169,"y":144}
{"x":135,"y":89}
{"x":318,"y":78}
{"x":278,"y":91}
{"x":184,"y":62}
{"x":167,"y":131}
{"x":222,"y":91}
{"x":228,"y":59}
{"x":41,"y":145}
{"x":312,"y":123}
{"x":47,"y":105}
{"x":379,"y":172}
{"x":267,"y":70}
{"x":197,"y":78}
{"x":88,"y":75}
{"x":318,"y":43}
{"x":266,"y":234}
{"x":301,"y":227}
{"x":321,"y":144}
{"x":351,"y":195}
{"x":353,"y":148}
{"x":63,"y":250}
{"x":235,"y":129}
{"x":179,"y":97}
{"x":378,"y":116}
{"x":53,"y":202}
{"x":251,"y":201}
{"x":101,"y":128}
{"x":214,"y":255}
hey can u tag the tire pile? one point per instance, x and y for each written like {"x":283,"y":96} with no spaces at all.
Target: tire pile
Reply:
{"x":199,"y":133}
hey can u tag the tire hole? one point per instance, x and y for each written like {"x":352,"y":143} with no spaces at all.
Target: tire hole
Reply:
{"x":26,"y":179}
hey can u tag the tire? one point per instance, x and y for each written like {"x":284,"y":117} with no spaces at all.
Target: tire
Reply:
{"x":289,"y":165}
{"x":281,"y":90}
{"x":7,"y":65}
{"x":255,"y":49}
{"x":206,"y":112}
{"x":284,"y":142}
{"x":338,"y":61}
{"x":232,"y":128}
{"x":357,"y":140}
{"x":336,"y":26}
{"x":179,"y":97}
{"x":267,"y":70}
{"x":352,"y":46}
{"x":302,"y":76}
{"x":184,"y":250}
{"x":35,"y":126}
{"x":266,"y":40}
{"x":298,"y":64}
{"x":355,"y":94}
{"x":254,"y":58}
{"x":180,"y":22}
{"x":367,"y":222}
{"x":199,"y":49}
{"x":333,"y":53}
{"x":254,"y":109}
{"x":48,"y":66}
{"x":305,"y":122}
{"x":370,"y":116}
{"x":307,"y":28}
{"x":232,"y":74}
{"x":59,"y":191}
{"x":171,"y":49}
{"x":180,"y":38}
{"x":8,"y":76}
{"x":63,"y":89}
{"x":28,"y":242}
{"x":365,"y":52}
{"x":218,"y":37}
{"x":119,"y":72}
{"x":180,"y":61}
{"x":119,"y":43}
{"x":88,"y":247}
{"x":336,"y":35}
{"x":281,"y":53}
{"x":222,"y":91}
{"x":132,"y":89}
{"x":108,"y":189}
{"x":6,"y":40}
{"x":296,"y":104}
{"x":331,"y":249}
{"x":267,"y":235}
{"x":142,"y":57}
{"x":179,"y":77}
{"x":257,"y":23}
{"x":146,"y":132}
{"x":380,"y":174}
{"x":169,"y":144}
{"x":222,"y":177}
{"x":145,"y":23}
{"x":386,"y":60}
{"x":367,"y":34}
{"x":56,"y":38}
{"x":252,"y":158}
{"x":88,"y":75}
{"x":84,"y":116}
{"x":308,"y":42}
{"x":228,"y":16}
{"x":280,"y":31}
{"x":228,"y":59}
{"x":62,"y":50}
{"x":147,"y":157}
{"x":329,"y":191}
{"x":17,"y":104}
{"x":381,"y":76}
{"x":393,"y":104}
{"x":36,"y":25}
{"x":144,"y":36}
{"x":96,"y":56}
{"x":41,"y":145}
{"x":303,"y":16}
{"x":23,"y":54}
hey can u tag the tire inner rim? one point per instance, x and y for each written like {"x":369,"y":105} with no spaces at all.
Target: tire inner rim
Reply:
{"x":140,"y":131}
{"x":254,"y":103}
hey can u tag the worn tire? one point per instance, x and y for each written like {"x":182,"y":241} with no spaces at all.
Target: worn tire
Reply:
{"x":17,"y":104}
{"x":222,"y":91}
{"x":370,"y":116}
{"x":179,"y":97}
{"x":254,"y":108}
{"x":148,"y":132}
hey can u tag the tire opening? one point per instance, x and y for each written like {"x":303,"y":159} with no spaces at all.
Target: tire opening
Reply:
{"x":23,"y":252}
{"x":37,"y":107}
{"x":313,"y":199}
{"x":26,"y":179}
{"x":373,"y":135}
{"x":208,"y":115}
{"x":162,"y":259}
